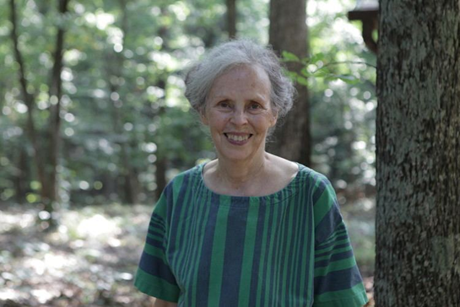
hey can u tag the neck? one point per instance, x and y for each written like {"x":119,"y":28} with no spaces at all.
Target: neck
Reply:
{"x":235,"y":174}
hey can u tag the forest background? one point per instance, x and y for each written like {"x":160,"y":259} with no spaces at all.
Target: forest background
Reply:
{"x":126,"y":129}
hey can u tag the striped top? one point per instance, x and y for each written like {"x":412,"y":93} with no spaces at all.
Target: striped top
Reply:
{"x":290,"y":248}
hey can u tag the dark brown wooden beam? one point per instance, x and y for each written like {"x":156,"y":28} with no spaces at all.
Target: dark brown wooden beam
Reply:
{"x":369,"y":20}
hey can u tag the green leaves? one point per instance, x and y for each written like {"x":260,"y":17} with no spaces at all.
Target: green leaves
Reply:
{"x":350,"y":79}
{"x":314,"y":67}
{"x":289,"y":57}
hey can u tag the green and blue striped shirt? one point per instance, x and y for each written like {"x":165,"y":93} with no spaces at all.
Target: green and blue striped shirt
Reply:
{"x":290,"y":248}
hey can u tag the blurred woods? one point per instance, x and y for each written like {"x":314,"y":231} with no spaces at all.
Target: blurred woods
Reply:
{"x":114,"y":125}
{"x":93,"y":124}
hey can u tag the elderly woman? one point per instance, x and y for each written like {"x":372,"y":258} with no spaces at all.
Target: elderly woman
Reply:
{"x":249,"y":228}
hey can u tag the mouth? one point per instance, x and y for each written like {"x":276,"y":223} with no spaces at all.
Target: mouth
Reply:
{"x":238,"y":138}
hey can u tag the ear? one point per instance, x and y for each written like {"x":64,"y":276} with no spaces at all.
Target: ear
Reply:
{"x":204,"y":118}
{"x":274,"y":119}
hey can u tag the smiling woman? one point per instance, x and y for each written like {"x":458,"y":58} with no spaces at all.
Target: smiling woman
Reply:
{"x":239,"y":113}
{"x":249,"y":228}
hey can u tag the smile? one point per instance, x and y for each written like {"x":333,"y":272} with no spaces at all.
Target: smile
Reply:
{"x":237,"y":137}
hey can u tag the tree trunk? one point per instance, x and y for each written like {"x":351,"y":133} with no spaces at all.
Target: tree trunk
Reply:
{"x":231,"y":18}
{"x":21,"y":176}
{"x":49,"y":194}
{"x":288,"y":32}
{"x":160,"y":175}
{"x":115,"y":74}
{"x":418,"y":154}
{"x":128,"y":173}
{"x":46,"y":158}
{"x":162,"y":154}
{"x":28,"y":97}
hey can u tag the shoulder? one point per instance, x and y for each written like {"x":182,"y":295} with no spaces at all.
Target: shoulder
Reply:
{"x":306,"y":174}
{"x":282,"y":168}
{"x":313,"y":180}
{"x":194,"y":171}
{"x":183,"y":178}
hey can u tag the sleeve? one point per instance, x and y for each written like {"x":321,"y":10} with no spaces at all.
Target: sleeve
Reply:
{"x":154,"y":276}
{"x":337,"y":281}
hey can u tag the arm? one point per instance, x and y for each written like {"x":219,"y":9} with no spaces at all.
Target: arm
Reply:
{"x":161,"y":303}
{"x":154,"y":276}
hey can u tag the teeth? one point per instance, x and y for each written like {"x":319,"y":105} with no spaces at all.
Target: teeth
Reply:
{"x":238,"y":138}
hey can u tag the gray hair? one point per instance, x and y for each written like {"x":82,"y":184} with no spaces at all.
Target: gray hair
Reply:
{"x":222,"y":58}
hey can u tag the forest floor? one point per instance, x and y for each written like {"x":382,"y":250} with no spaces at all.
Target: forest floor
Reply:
{"x":90,"y":259}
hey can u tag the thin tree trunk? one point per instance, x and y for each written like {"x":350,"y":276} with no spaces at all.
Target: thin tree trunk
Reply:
{"x":231,"y":18}
{"x":161,"y":163}
{"x":130,"y":195}
{"x":129,"y":174}
{"x":288,"y":32}
{"x":21,"y":177}
{"x":418,"y":154}
{"x":55,"y":119}
{"x":160,"y":175}
{"x":46,"y":167}
{"x":28,"y":99}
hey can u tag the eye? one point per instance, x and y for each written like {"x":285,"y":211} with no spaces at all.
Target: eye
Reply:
{"x":223,"y":104}
{"x":255,"y":106}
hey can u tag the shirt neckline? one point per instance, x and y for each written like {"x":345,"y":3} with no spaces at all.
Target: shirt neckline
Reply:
{"x":288,"y":190}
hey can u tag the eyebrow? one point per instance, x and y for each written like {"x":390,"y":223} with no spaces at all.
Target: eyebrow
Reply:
{"x":255,"y":97}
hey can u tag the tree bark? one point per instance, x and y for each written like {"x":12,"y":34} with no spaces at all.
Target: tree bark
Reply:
{"x":418,"y":154}
{"x":231,"y":18}
{"x":288,"y":32}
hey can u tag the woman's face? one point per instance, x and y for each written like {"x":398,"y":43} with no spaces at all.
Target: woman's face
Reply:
{"x":239,"y":113}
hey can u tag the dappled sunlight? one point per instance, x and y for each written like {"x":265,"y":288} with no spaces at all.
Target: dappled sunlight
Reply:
{"x":97,"y":227}
{"x":90,"y":257}
{"x":11,"y":294}
{"x":44,"y":295}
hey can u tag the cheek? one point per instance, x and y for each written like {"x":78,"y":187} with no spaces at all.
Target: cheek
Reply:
{"x":216,"y":123}
{"x":267,"y":122}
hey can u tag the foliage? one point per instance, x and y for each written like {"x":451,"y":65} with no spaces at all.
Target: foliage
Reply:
{"x":340,"y":76}
{"x":123,"y":108}
{"x":314,"y":67}
{"x":122,"y":101}
{"x":123,"y":112}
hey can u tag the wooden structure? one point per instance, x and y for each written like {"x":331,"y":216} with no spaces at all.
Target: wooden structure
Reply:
{"x":367,"y":12}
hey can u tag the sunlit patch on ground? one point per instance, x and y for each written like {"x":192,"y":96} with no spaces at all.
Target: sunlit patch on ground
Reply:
{"x":89,"y":260}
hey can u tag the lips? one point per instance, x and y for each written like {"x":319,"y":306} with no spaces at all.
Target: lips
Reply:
{"x":238,"y":138}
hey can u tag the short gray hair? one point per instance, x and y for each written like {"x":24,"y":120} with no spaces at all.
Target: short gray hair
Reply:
{"x":201,"y":76}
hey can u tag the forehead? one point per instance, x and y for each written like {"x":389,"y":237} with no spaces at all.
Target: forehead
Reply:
{"x":251,"y":77}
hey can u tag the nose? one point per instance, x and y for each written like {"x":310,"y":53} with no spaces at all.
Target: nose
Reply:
{"x":239,"y":117}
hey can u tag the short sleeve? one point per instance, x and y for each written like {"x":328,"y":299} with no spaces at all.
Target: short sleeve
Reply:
{"x":337,"y":281}
{"x":154,"y":276}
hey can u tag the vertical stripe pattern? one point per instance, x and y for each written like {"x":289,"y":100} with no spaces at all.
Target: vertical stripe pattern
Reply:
{"x":290,"y":248}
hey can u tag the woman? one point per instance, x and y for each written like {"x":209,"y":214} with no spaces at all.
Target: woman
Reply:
{"x":249,"y":228}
